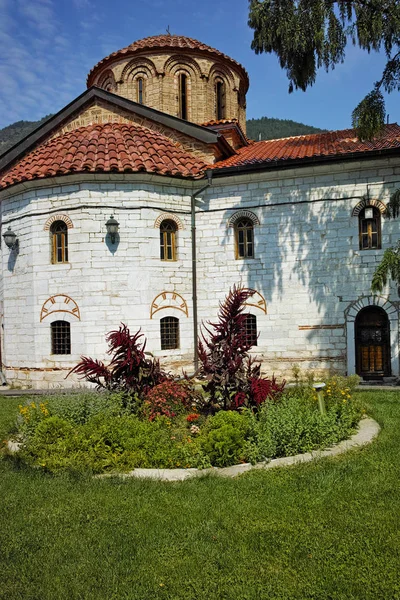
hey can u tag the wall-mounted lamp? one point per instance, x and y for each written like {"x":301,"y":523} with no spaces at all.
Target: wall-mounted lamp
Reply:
{"x":112,"y":228}
{"x":10,"y":239}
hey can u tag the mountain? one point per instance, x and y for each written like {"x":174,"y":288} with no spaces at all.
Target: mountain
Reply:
{"x":268,"y":128}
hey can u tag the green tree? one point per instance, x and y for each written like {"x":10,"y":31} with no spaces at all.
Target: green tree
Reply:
{"x":389,"y":266}
{"x":309,"y":34}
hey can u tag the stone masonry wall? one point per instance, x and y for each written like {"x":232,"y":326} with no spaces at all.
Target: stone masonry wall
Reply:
{"x":308,"y":268}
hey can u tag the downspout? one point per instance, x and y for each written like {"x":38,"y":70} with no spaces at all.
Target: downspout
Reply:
{"x":194,"y":266}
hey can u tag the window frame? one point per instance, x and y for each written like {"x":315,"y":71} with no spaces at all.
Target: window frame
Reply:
{"x":140,"y":89}
{"x":168,"y":340}
{"x":60,"y":328}
{"x":367,"y":231}
{"x":220,"y":99}
{"x":168,"y":240}
{"x":183,"y":80}
{"x":59,"y":242}
{"x":244,"y":248}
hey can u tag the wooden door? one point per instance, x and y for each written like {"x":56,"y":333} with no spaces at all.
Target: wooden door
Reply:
{"x":372,"y":343}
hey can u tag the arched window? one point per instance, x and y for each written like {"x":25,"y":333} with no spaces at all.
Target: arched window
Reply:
{"x":250,"y":324}
{"x":244,"y":238}
{"x":168,"y":240}
{"x":140,"y":90}
{"x":220,"y":100}
{"x":59,"y":242}
{"x":169,"y":330}
{"x":183,"y":96}
{"x":369,"y":220}
{"x":60,"y":337}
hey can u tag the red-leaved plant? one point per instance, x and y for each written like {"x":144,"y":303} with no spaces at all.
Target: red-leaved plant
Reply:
{"x":129,"y":370}
{"x":233,"y":379}
{"x":167,"y":399}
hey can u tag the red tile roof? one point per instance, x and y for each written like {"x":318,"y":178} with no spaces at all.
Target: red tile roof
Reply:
{"x":319,"y":145}
{"x":106,"y":148}
{"x":162,"y":42}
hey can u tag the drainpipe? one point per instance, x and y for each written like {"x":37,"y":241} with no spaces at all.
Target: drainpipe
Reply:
{"x":194,"y":266}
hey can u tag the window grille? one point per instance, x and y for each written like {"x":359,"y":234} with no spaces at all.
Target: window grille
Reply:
{"x":244,"y":234}
{"x":60,"y":337}
{"x":250,"y":325}
{"x":370,"y":228}
{"x":59,"y":242}
{"x":169,"y":329}
{"x":168,"y":240}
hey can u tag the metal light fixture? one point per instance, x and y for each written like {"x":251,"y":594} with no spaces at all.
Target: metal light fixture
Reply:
{"x":112,"y":228}
{"x":10,"y":239}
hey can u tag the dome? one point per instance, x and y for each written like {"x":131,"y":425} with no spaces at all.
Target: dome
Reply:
{"x":164,"y":42}
{"x":176,"y":75}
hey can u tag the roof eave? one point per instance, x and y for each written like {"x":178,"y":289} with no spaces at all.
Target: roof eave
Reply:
{"x":278,"y":165}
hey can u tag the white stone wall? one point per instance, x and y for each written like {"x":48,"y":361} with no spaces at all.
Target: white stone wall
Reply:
{"x":307,"y":264}
{"x":110,"y":284}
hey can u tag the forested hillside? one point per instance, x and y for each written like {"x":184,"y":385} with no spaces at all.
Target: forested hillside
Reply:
{"x":268,"y":129}
{"x":264,"y":128}
{"x":11,"y":134}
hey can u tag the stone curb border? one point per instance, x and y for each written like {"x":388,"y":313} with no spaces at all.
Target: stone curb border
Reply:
{"x":368,"y":430}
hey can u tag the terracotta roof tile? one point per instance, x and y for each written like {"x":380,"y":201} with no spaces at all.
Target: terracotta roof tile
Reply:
{"x":176,"y":42}
{"x":109,"y":147}
{"x":318,"y":145}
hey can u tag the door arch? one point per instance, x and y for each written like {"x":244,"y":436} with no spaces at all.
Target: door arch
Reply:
{"x":372,"y":337}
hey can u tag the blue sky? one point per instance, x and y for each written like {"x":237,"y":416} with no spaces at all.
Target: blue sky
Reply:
{"x":47,"y":47}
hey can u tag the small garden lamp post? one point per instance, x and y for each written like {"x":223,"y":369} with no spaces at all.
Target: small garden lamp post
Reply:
{"x":10,"y":239}
{"x":318,"y":387}
{"x":112,"y":228}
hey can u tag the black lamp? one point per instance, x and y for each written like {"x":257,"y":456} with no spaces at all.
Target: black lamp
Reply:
{"x":10,"y":239}
{"x":112,"y":228}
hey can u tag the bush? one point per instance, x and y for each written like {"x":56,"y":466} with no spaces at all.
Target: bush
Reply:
{"x":224,"y":438}
{"x":168,"y":399}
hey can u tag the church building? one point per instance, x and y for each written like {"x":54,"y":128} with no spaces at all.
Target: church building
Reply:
{"x":143,"y":202}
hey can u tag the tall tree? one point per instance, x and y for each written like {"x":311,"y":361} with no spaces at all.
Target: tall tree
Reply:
{"x":308,"y":34}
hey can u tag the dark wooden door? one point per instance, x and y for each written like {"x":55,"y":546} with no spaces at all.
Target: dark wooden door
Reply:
{"x":372,"y":343}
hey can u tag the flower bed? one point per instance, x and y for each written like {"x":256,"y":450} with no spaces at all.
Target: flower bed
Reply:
{"x":102,"y":432}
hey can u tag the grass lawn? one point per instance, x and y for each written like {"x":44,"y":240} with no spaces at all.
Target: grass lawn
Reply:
{"x":327,"y":530}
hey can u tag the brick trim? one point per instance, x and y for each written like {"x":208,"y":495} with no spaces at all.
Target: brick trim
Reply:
{"x":368,"y":202}
{"x":169,"y":217}
{"x":60,"y":217}
{"x":241,"y":214}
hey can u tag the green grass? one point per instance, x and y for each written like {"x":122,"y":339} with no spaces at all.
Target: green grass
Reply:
{"x":327,"y":530}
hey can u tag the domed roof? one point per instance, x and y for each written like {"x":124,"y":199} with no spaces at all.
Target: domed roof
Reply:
{"x":165,"y":42}
{"x":105,"y":148}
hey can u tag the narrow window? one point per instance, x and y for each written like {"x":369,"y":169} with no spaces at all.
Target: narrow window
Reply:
{"x":60,"y":337}
{"x":244,"y":234}
{"x":169,"y":329}
{"x":250,"y":325}
{"x":220,"y":97}
{"x":370,"y":228}
{"x":183,"y":114}
{"x":140,"y":90}
{"x":59,"y":242}
{"x":168,"y":240}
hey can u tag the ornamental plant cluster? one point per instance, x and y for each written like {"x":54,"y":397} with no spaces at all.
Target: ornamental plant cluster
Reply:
{"x":142,"y":417}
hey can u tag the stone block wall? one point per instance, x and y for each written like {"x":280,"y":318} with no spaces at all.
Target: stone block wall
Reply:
{"x":308,"y":270}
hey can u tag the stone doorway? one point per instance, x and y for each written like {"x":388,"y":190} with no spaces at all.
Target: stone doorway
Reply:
{"x":372,"y":336}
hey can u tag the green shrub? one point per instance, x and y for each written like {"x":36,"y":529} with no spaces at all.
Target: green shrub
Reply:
{"x":224,"y":438}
